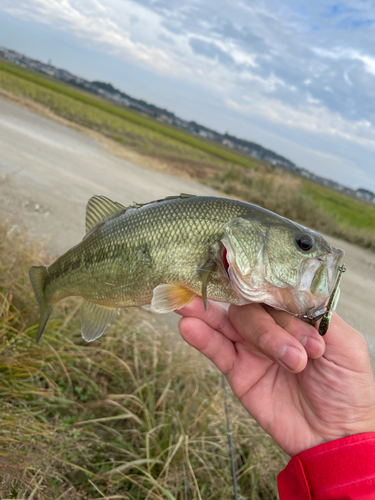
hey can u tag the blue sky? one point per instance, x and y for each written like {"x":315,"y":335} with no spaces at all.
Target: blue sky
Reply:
{"x":299,"y":78}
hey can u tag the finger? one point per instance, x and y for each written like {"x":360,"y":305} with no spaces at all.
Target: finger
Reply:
{"x":260,"y":329}
{"x":216,"y":316}
{"x":242,"y":366}
{"x":346,"y":346}
{"x":305,"y":333}
{"x":339,"y":333}
{"x":213,"y":344}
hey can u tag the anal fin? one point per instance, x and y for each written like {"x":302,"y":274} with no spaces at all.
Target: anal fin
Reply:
{"x":167,"y":298}
{"x":95,"y":319}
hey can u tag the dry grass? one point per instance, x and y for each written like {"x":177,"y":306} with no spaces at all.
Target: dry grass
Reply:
{"x":126,"y":417}
{"x":309,"y":204}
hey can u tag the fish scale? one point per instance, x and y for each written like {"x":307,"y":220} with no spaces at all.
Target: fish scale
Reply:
{"x":166,"y":252}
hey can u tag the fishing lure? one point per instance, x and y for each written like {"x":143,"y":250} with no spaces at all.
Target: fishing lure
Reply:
{"x":332,"y":303}
{"x":326,"y":315}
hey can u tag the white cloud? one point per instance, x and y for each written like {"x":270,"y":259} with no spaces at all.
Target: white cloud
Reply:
{"x":350,"y":54}
{"x":278,"y":82}
{"x":267,"y":85}
{"x":93,"y":22}
{"x":368,"y":61}
{"x":311,"y":99}
{"x":347,"y":79}
{"x":311,"y":118}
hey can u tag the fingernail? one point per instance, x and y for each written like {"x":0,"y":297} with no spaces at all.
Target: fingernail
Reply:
{"x":312,"y":346}
{"x":291,"y":357}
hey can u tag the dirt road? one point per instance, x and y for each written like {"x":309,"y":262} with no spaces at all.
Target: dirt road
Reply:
{"x":48,"y":172}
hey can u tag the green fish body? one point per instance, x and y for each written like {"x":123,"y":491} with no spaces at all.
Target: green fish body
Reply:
{"x":165,"y":252}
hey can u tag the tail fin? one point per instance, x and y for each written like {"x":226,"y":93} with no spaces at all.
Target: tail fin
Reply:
{"x":37,"y":275}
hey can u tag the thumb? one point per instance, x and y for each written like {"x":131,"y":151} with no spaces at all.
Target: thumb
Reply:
{"x":346,"y":346}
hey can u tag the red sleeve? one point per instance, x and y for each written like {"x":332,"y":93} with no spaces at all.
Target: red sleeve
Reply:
{"x":343,"y":469}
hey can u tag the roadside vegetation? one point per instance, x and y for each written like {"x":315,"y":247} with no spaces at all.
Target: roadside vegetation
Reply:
{"x":315,"y":206}
{"x":135,"y":415}
{"x":226,"y":170}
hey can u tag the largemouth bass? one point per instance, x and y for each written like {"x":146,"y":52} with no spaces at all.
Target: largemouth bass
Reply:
{"x":165,"y":252}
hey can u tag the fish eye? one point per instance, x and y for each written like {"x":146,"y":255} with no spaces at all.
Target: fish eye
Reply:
{"x":305,"y":242}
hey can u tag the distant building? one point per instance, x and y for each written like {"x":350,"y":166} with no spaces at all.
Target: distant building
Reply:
{"x":365,"y":194}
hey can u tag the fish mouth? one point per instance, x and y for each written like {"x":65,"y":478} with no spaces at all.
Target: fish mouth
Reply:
{"x":319,"y":276}
{"x":334,"y":260}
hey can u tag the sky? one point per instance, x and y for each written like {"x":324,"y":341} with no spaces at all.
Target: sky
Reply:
{"x":296,"y":77}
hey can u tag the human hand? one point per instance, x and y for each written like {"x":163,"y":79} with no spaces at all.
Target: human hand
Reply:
{"x":301,"y":388}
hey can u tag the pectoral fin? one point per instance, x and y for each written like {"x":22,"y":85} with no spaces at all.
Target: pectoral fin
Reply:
{"x":95,"y":319}
{"x":167,"y":298}
{"x":207,"y":269}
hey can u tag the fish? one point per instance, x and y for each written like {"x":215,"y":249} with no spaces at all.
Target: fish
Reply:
{"x":167,"y":251}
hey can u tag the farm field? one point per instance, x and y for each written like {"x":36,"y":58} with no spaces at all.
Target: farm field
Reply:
{"x":184,"y":154}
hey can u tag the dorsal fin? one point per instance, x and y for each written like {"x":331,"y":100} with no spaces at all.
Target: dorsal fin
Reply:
{"x":99,"y":208}
{"x":174,"y":197}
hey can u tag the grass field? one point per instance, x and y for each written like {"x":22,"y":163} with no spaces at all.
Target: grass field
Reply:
{"x":346,"y":210}
{"x":310,"y":204}
{"x":252,"y":180}
{"x":126,"y":417}
{"x":132,"y":128}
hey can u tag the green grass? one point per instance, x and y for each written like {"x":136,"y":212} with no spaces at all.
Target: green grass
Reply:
{"x":94,"y":111}
{"x":347,"y":210}
{"x":311,"y":204}
{"x":135,"y":415}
